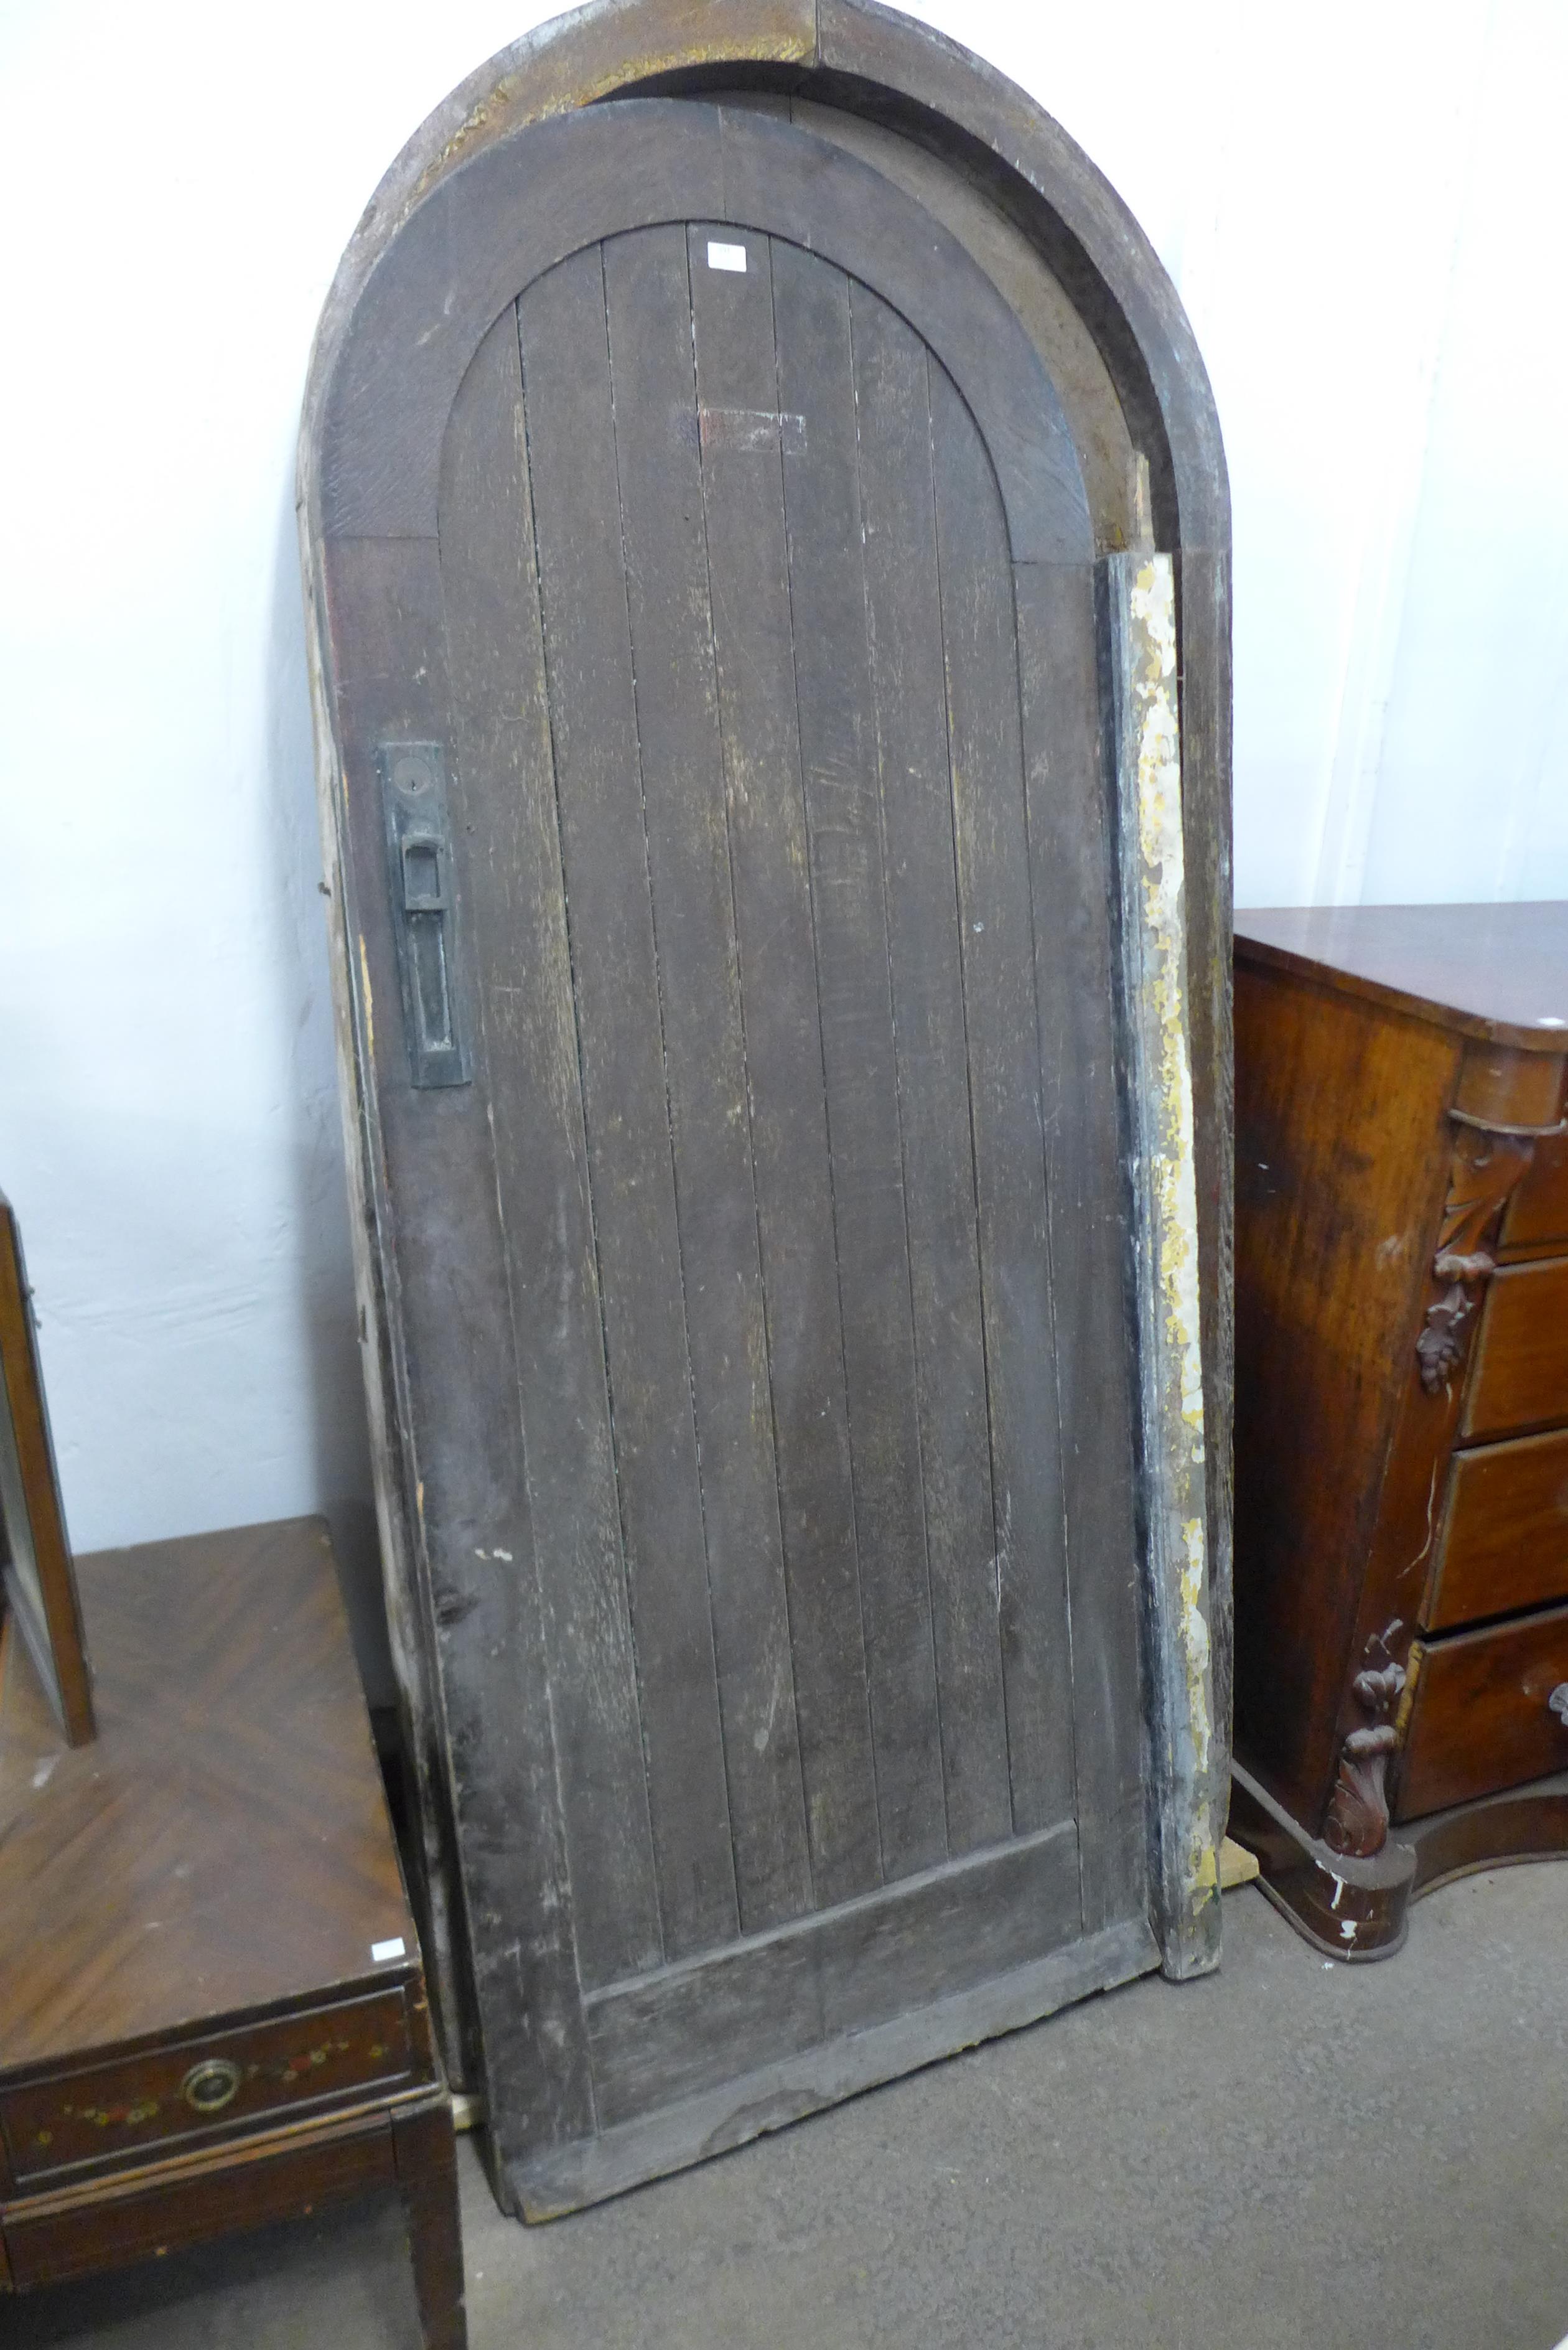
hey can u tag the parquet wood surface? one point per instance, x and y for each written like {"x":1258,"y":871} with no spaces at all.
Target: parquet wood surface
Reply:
{"x":223,"y":1846}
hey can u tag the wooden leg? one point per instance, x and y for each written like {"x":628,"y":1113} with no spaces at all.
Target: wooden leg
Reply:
{"x":426,"y":2152}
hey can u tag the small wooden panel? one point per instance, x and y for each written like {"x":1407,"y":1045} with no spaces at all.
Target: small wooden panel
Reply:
{"x":143,"y":2107}
{"x":1520,"y":1375}
{"x":1484,"y":1716}
{"x":687,"y":2029}
{"x":1537,"y":1215}
{"x":1505,"y":1541}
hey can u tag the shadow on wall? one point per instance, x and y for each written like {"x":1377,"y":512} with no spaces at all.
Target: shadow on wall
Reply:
{"x":328,"y":1339}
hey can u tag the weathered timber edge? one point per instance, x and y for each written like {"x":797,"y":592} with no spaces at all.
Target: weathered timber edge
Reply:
{"x":591,"y":2172}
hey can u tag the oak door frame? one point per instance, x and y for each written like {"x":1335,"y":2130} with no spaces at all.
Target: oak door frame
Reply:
{"x":869,"y":60}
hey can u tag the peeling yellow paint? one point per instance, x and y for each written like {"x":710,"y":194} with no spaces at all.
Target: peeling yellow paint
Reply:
{"x":1153,"y":608}
{"x":365,"y":999}
{"x":542,"y":86}
{"x":1152,"y":688}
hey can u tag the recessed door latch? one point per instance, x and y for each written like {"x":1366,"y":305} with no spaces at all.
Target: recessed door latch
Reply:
{"x":424,"y":913}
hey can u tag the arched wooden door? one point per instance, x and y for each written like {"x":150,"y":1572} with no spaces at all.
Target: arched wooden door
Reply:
{"x":712,"y":607}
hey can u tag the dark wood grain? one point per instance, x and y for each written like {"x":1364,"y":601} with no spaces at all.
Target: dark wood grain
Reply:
{"x":905,"y":622}
{"x":1483,"y":1718}
{"x":1504,"y":1544}
{"x":570,"y":1684}
{"x":749,"y":561}
{"x":774,"y":2095}
{"x":425,"y":2152}
{"x":527,"y":206}
{"x":838,"y":758}
{"x":996,"y":922}
{"x":1519,"y":1377}
{"x":455,"y":1375}
{"x":689,"y":2029}
{"x":659,"y":439}
{"x":568,"y":398}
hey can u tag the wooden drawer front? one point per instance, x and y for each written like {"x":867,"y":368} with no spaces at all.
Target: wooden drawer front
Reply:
{"x":1505,"y":1539}
{"x":49,"y":2237}
{"x":147,"y":2107}
{"x":1484,"y":1718}
{"x":1519,"y":1378}
{"x":1537,"y":1214}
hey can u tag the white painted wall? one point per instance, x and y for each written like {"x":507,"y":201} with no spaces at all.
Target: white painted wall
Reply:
{"x":1363,"y":207}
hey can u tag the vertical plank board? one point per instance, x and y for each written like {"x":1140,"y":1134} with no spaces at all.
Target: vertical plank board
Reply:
{"x":656,"y":441}
{"x":1203,"y":591}
{"x":566,"y":395}
{"x":1004,"y":1075}
{"x":743,"y":498}
{"x":504,"y":787}
{"x":1073,"y":883}
{"x":904,"y":605}
{"x":838,"y":756}
{"x":1137,"y":594}
{"x":457,"y":1395}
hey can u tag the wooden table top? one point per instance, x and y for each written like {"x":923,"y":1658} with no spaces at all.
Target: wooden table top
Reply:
{"x":223,"y":1846}
{"x":1498,"y":971}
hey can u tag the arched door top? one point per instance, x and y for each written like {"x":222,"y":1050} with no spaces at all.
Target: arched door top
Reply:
{"x":532,"y":199}
{"x":872,"y":59}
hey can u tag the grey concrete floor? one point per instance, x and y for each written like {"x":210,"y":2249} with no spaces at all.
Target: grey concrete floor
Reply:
{"x":1294,"y":2152}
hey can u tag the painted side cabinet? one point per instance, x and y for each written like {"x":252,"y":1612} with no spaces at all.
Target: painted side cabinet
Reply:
{"x":766,"y":538}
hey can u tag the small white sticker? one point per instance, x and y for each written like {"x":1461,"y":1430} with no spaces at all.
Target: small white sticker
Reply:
{"x":727,"y":257}
{"x":382,"y":1950}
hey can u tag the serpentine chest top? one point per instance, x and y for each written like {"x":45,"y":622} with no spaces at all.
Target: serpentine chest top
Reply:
{"x":1402,"y":1402}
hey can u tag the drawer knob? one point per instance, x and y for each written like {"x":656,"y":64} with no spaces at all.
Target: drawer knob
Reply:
{"x":210,"y":2085}
{"x":1558,"y":1702}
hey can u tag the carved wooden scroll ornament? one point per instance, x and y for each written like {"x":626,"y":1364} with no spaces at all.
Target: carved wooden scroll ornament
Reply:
{"x":1357,"y":1821}
{"x":1486,"y":1167}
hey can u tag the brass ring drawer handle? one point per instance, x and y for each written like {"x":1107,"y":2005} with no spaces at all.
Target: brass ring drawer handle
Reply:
{"x":210,"y":2085}
{"x":1558,"y":1702}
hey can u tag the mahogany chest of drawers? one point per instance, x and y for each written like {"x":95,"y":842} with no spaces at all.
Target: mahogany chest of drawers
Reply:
{"x":1401,"y":1403}
{"x":211,"y":2006}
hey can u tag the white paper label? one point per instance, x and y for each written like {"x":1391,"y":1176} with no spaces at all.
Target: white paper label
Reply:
{"x":380,"y":1950}
{"x":727,"y":257}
